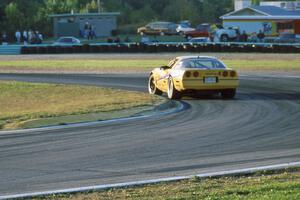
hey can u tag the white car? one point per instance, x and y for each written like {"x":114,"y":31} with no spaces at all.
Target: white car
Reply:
{"x":67,"y":41}
{"x":226,"y":34}
{"x":182,"y":28}
{"x":199,"y":40}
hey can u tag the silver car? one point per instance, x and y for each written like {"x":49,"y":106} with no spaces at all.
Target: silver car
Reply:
{"x":67,"y":41}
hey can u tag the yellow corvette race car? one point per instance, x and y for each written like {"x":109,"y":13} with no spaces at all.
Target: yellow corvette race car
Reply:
{"x":193,"y":74}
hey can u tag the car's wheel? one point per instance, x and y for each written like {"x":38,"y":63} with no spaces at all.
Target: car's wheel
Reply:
{"x":152,"y":87}
{"x":224,"y":38}
{"x":162,"y":33}
{"x":142,"y":33}
{"x":172,"y":92}
{"x":228,"y":94}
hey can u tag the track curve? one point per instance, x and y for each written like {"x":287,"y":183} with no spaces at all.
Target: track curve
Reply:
{"x":260,"y":127}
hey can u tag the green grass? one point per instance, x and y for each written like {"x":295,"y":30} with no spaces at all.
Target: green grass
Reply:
{"x":31,"y":104}
{"x":143,"y":65}
{"x":280,"y":185}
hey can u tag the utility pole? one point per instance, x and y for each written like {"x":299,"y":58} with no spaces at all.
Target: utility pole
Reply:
{"x":99,"y":6}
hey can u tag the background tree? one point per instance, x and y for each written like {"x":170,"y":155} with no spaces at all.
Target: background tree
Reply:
{"x":13,"y":17}
{"x":34,"y":14}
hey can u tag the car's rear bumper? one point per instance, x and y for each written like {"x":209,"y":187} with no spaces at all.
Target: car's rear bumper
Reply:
{"x":199,"y":84}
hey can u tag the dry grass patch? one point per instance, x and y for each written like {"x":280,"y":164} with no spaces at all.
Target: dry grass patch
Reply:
{"x":21,"y":102}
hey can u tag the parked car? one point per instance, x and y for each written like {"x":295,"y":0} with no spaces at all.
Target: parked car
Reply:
{"x":193,"y":74}
{"x":226,"y":34}
{"x":201,"y":30}
{"x":158,"y":28}
{"x":66,"y":41}
{"x":287,"y":38}
{"x":199,"y":40}
{"x":183,"y":28}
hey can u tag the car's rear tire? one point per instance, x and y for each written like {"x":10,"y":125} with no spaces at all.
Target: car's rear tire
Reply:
{"x":162,"y":33}
{"x":228,"y":94}
{"x":152,"y":87}
{"x":172,"y":92}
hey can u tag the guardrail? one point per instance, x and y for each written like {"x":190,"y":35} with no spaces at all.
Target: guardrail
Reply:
{"x":161,"y":47}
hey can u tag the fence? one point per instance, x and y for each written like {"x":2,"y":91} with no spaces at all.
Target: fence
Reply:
{"x":161,"y":47}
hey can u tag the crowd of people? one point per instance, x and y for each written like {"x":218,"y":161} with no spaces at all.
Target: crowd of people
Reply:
{"x":253,"y":37}
{"x":25,"y":37}
{"x":89,"y":31}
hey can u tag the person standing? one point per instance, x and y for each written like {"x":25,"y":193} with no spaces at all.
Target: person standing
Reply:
{"x":90,"y":33}
{"x":25,"y":37}
{"x":86,"y":30}
{"x":18,"y":36}
{"x":41,"y":37}
{"x":261,"y":36}
{"x":30,"y":36}
{"x":4,"y":39}
{"x":244,"y":37}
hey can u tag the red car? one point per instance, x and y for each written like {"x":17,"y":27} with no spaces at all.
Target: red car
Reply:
{"x":202,"y":30}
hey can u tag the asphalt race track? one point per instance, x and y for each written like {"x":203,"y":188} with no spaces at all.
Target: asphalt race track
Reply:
{"x":260,"y":127}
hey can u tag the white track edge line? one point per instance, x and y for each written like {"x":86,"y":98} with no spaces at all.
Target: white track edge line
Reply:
{"x":177,"y":109}
{"x":152,"y":181}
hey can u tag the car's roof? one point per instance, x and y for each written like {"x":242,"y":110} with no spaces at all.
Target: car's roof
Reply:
{"x":195,"y":57}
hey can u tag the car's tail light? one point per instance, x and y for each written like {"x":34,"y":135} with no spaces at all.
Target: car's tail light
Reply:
{"x":232,"y":74}
{"x":196,"y":74}
{"x":225,"y":73}
{"x":187,"y":74}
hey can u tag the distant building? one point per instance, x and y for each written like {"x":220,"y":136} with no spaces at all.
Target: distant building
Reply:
{"x":73,"y":24}
{"x":289,"y":5}
{"x":240,"y":4}
{"x":272,"y":18}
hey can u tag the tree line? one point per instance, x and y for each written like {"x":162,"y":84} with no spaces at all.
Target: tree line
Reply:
{"x":34,"y":14}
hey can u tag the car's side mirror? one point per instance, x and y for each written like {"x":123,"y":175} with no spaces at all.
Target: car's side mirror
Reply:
{"x":164,"y":67}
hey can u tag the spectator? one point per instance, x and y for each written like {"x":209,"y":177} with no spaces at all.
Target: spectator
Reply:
{"x":4,"y":39}
{"x":253,"y":37}
{"x":25,"y":37}
{"x":261,"y":36}
{"x":117,"y":40}
{"x":86,"y":30}
{"x":30,"y":36}
{"x":238,"y":37}
{"x":18,"y":36}
{"x":37,"y":37}
{"x":244,"y":37}
{"x":41,"y":38}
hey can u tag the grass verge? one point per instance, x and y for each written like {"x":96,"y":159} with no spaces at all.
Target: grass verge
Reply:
{"x":134,"y":65}
{"x":278,"y":184}
{"x":26,"y":105}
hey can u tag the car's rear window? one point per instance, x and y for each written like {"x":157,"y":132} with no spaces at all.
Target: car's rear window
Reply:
{"x":202,"y":64}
